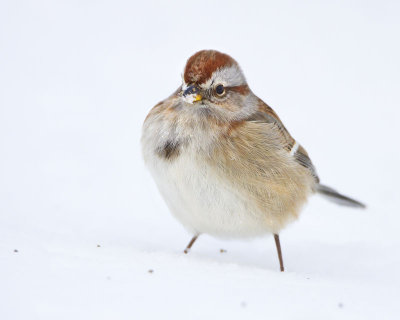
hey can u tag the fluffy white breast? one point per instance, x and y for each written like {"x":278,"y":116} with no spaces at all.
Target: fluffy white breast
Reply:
{"x":200,"y":200}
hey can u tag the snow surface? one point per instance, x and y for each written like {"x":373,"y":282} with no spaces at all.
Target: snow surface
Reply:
{"x":84,"y":233}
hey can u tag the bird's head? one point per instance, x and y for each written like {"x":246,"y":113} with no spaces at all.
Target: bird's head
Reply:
{"x":214,"y":80}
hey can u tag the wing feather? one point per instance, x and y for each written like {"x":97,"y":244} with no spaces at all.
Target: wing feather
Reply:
{"x":266,"y":114}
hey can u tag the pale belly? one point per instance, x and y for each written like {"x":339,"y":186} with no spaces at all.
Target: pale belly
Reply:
{"x":204,"y":203}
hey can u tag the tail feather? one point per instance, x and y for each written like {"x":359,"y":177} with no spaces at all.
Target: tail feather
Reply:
{"x":334,"y":196}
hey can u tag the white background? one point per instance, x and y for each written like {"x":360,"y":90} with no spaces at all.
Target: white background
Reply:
{"x":77,"y":79}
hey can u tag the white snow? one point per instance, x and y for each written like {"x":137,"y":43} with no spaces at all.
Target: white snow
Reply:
{"x":77,"y":79}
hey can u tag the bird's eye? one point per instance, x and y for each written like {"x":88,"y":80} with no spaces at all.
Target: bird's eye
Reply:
{"x":220,"y":90}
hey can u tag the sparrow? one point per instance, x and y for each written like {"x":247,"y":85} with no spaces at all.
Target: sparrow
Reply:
{"x":223,"y":160}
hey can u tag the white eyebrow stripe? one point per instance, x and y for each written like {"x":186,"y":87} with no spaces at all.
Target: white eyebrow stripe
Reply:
{"x":295,"y":148}
{"x":230,"y":76}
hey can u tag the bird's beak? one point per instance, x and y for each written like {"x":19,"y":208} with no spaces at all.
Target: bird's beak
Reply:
{"x":197,"y":97}
{"x":192,"y":94}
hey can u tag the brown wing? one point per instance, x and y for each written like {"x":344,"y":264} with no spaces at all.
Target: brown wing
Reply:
{"x":256,"y":168}
{"x":302,"y":157}
{"x":266,"y":114}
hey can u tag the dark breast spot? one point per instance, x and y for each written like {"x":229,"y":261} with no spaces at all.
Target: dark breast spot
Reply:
{"x":169,"y":150}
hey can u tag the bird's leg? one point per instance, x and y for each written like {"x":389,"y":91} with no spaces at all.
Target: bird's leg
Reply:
{"x":191,"y":243}
{"x":278,"y":248}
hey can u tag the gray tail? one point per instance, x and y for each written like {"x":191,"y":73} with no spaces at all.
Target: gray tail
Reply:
{"x":334,"y":196}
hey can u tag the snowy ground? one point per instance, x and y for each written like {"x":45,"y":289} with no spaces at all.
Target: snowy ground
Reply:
{"x":84,"y":233}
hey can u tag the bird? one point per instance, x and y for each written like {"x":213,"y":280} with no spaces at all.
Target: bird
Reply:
{"x":222,"y":159}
